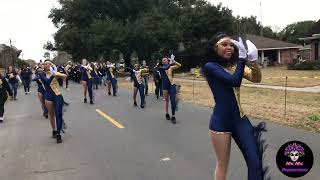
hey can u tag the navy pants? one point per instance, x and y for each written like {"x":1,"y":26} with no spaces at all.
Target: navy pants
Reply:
{"x":3,"y":99}
{"x":58,"y":107}
{"x":44,"y":108}
{"x":90,"y":86}
{"x":173,"y":98}
{"x":146,"y":85}
{"x":158,"y":90}
{"x":243,"y":135}
{"x":26,"y":85}
{"x":96,"y":82}
{"x":141,"y":92}
{"x":14,"y":88}
{"x":114,"y":85}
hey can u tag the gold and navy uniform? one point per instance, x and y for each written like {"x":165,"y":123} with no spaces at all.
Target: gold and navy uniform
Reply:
{"x":4,"y":91}
{"x":51,"y":84}
{"x":136,"y":75}
{"x":166,"y":72}
{"x":145,"y":77}
{"x":168,"y":84}
{"x":4,"y":87}
{"x":53,"y":94}
{"x":228,"y":116}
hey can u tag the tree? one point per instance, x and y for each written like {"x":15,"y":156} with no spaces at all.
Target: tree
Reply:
{"x":46,"y":55}
{"x":246,"y":25}
{"x":49,"y":46}
{"x":268,"y":32}
{"x":94,"y":29}
{"x":294,"y":31}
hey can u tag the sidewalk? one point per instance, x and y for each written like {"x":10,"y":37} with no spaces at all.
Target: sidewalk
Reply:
{"x":315,"y":89}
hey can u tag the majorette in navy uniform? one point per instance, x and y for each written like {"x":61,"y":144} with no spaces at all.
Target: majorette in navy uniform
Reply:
{"x":170,"y":89}
{"x":53,"y":97}
{"x":138,"y":85}
{"x":4,"y":91}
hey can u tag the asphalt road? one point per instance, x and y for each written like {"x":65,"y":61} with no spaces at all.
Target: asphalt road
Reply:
{"x":147,"y":148}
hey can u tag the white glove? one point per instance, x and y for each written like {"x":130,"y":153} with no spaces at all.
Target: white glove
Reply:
{"x":252,"y":51}
{"x":172,"y":61}
{"x":53,"y":70}
{"x":84,"y":66}
{"x":241,"y":47}
{"x":19,"y":79}
{"x":111,"y":65}
{"x":172,"y":57}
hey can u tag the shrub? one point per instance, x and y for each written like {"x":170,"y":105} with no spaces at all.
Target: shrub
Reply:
{"x":305,"y":65}
{"x":314,"y":117}
{"x":293,"y":63}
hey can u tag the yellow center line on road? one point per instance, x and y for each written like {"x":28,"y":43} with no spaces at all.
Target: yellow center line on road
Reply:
{"x":109,"y":118}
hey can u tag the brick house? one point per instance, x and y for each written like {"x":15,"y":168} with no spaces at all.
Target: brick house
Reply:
{"x":313,"y":39}
{"x":274,"y":52}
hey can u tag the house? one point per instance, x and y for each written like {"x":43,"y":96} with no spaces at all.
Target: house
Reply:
{"x":305,"y":52}
{"x":274,"y":52}
{"x":313,"y":39}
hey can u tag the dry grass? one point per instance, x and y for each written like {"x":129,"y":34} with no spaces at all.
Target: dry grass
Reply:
{"x":264,"y":104}
{"x":276,"y":76}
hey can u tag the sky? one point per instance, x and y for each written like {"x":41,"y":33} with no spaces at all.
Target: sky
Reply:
{"x":26,"y":22}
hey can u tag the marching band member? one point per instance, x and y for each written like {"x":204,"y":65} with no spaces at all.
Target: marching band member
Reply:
{"x":13,"y":79}
{"x":145,"y":77}
{"x":4,"y":91}
{"x":87,"y":80}
{"x":41,"y":90}
{"x":53,"y":98}
{"x":111,"y":78}
{"x":138,"y":85}
{"x":166,"y":68}
{"x":157,"y":81}
{"x":228,"y":63}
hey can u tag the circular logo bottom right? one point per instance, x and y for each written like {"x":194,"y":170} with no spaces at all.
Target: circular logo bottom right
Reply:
{"x":295,"y":159}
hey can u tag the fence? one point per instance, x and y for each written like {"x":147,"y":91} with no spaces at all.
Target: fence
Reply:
{"x":282,"y":106}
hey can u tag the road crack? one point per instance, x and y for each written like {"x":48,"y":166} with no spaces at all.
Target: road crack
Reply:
{"x":52,"y":171}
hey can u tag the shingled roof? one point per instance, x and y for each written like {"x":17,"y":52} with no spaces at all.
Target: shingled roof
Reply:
{"x":264,"y":43}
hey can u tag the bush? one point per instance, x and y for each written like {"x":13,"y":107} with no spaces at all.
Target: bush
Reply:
{"x":314,"y":117}
{"x":305,"y":65}
{"x":294,"y":62}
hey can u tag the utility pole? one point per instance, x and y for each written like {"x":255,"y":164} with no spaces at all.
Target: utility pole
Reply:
{"x":13,"y":55}
{"x":261,"y":29}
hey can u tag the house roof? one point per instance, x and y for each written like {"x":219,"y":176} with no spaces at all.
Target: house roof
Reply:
{"x":313,"y":37}
{"x":306,"y":47}
{"x":263,"y":43}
